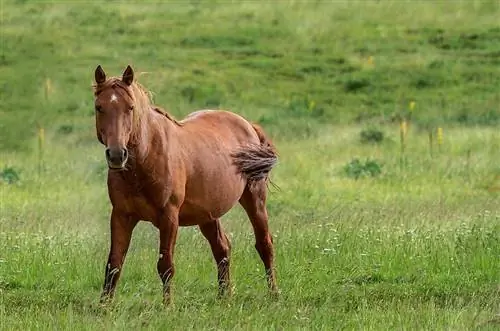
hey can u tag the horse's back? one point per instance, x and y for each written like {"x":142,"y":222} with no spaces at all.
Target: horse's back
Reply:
{"x":216,"y":118}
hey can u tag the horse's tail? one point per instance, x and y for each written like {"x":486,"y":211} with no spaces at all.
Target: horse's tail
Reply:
{"x":256,"y":161}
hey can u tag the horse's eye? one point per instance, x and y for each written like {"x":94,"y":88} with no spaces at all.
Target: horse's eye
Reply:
{"x":98,"y":109}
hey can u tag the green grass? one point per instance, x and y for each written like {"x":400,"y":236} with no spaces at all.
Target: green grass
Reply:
{"x":415,"y":247}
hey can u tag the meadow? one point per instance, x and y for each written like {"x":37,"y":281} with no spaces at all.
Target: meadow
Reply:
{"x":385,"y":115}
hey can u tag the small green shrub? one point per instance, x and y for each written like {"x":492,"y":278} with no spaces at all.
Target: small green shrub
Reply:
{"x":479,"y":117}
{"x":371,"y":135}
{"x":304,"y":106}
{"x":357,"y":169}
{"x":356,"y":84}
{"x":9,"y":175}
{"x":65,"y":129}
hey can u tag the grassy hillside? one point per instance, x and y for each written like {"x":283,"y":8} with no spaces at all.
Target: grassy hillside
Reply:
{"x":287,"y":64}
{"x":370,"y":234}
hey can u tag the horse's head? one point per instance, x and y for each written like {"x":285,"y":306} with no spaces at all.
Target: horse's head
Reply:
{"x":114,"y":105}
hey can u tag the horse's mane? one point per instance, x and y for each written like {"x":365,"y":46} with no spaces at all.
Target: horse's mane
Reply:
{"x":141,"y":96}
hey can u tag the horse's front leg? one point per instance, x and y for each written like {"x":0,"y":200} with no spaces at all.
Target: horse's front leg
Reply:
{"x":168,"y":224}
{"x":122,"y":226}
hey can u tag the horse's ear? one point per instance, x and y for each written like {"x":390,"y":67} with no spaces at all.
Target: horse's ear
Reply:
{"x":100,"y":75}
{"x":128,"y":75}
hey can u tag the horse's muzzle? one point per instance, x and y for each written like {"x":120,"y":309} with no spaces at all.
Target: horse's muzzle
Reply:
{"x":116,"y":157}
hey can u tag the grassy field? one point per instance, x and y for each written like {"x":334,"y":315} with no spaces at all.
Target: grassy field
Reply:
{"x":368,"y":235}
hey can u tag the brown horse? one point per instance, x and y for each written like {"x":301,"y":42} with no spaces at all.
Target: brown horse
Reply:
{"x":179,"y":173}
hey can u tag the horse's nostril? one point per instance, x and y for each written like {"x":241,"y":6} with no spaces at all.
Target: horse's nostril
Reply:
{"x":125,"y":154}
{"x":108,"y":154}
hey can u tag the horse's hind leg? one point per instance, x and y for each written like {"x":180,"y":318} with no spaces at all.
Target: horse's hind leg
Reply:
{"x":221,"y":250}
{"x":253,"y":201}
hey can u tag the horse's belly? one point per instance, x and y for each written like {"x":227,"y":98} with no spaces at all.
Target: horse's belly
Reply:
{"x":210,"y":199}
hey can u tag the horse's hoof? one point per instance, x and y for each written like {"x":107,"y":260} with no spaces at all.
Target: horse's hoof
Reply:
{"x":225,"y":292}
{"x":167,"y":301}
{"x":275,"y":294}
{"x":105,"y":300}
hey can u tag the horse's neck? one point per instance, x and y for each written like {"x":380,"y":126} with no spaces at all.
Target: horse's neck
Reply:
{"x":154,"y":138}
